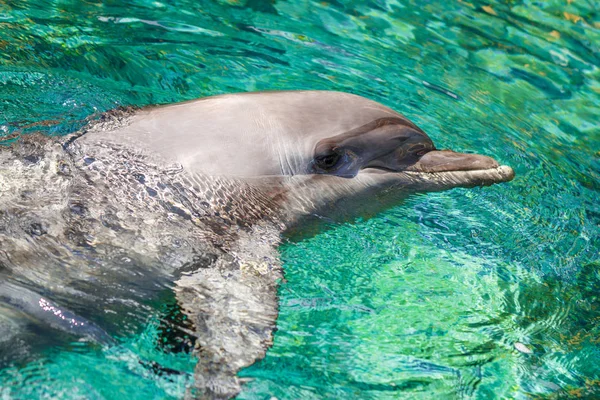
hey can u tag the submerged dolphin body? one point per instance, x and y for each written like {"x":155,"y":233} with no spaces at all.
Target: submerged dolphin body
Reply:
{"x":199,"y":193}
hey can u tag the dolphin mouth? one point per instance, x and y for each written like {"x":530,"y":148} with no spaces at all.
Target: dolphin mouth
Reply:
{"x":463,"y":168}
{"x":449,"y":168}
{"x":467,"y":178}
{"x":470,"y":177}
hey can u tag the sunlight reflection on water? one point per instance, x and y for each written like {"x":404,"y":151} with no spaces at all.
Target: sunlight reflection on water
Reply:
{"x":488,"y":292}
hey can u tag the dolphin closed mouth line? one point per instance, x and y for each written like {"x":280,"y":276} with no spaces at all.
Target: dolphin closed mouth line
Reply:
{"x":502,"y":169}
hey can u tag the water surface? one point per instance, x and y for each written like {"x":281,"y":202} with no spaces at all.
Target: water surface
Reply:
{"x":479,"y":293}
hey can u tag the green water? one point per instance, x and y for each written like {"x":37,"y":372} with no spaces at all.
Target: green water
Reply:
{"x":481,"y":293}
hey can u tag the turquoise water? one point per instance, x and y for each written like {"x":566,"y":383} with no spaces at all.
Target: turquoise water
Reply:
{"x":479,"y":293}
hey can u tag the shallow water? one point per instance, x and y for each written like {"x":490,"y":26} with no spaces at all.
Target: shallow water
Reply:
{"x":488,"y":292}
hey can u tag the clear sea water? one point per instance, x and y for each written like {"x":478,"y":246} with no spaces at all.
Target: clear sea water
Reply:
{"x":480,"y":293}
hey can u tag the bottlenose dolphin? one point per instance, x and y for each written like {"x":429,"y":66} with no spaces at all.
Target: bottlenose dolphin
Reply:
{"x":201,"y":193}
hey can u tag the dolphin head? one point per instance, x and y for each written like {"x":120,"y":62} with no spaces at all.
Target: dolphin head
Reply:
{"x":395,"y":145}
{"x":369,"y":169}
{"x":326,"y":148}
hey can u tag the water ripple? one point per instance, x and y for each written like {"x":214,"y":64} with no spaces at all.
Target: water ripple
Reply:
{"x":471,"y":293}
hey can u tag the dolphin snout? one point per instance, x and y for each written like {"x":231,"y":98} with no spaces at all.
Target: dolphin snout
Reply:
{"x":447,"y":160}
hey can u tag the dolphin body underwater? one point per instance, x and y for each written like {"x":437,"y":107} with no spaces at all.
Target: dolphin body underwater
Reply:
{"x":195,"y":197}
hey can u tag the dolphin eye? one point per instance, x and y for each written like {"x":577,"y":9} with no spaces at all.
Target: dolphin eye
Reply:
{"x":420,"y":150}
{"x":327,"y":161}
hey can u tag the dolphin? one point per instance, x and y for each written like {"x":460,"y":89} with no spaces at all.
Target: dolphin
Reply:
{"x":195,"y":197}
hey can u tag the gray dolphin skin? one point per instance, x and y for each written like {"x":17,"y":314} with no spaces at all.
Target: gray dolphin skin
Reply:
{"x":194,"y":198}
